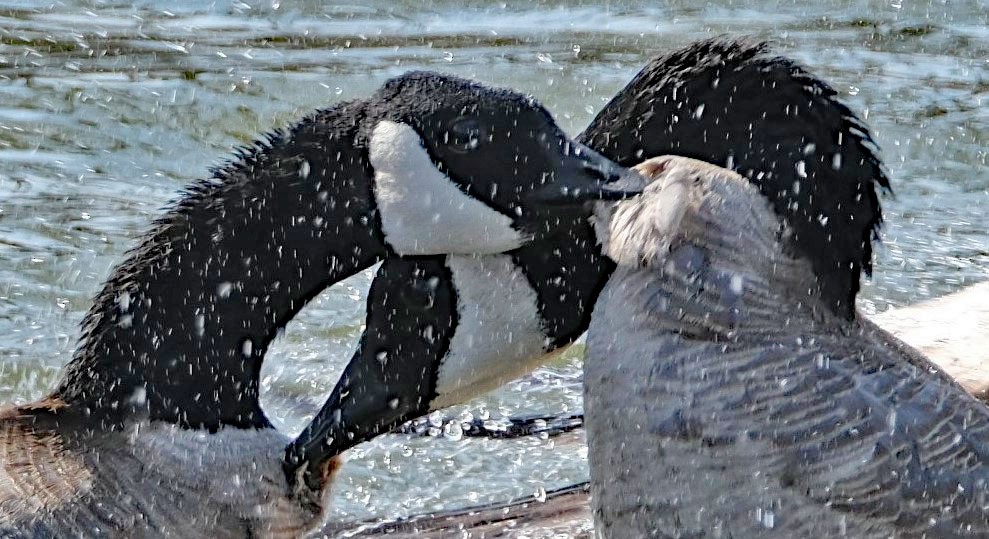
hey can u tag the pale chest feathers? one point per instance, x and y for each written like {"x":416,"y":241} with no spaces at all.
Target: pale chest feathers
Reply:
{"x":233,"y":473}
{"x":220,"y":458}
{"x":422,"y":211}
{"x":499,"y":335}
{"x":152,"y":479}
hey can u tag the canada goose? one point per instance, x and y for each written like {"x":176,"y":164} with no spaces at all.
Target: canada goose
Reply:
{"x":155,"y":428}
{"x":728,"y":393}
{"x":495,"y":317}
{"x":679,"y":94}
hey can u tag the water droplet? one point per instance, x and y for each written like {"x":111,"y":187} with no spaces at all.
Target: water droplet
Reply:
{"x":139,"y":396}
{"x":123,"y":301}
{"x":247,"y":347}
{"x":453,"y":431}
{"x":768,"y":519}
{"x":736,"y":284}
{"x":304,"y":169}
{"x":223,"y":289}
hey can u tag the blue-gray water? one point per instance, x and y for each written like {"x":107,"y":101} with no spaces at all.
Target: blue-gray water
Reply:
{"x":108,"y":108}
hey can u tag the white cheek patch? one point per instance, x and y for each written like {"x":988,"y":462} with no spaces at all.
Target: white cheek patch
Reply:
{"x":422,"y":211}
{"x":499,"y":335}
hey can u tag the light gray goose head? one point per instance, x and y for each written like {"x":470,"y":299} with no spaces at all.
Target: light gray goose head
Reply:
{"x":712,"y":229}
{"x":157,"y":414}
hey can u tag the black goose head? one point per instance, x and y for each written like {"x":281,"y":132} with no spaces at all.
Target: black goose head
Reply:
{"x":462,"y":168}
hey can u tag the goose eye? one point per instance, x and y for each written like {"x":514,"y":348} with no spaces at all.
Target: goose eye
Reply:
{"x":464,"y":135}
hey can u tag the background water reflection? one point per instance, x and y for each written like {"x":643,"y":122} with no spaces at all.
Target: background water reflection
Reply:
{"x":107,"y":108}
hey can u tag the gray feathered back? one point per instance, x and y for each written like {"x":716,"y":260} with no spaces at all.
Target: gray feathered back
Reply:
{"x":723,"y":398}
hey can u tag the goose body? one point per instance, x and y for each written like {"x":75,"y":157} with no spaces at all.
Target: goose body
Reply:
{"x":726,"y":396}
{"x":155,"y":429}
{"x":63,"y":478}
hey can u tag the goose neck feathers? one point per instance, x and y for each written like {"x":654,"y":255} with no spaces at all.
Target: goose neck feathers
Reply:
{"x":732,"y":104}
{"x":179,"y":331}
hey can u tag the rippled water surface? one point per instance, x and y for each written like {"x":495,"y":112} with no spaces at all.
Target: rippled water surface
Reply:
{"x":108,"y":108}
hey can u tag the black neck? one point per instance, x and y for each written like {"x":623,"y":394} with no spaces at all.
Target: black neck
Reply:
{"x":567,"y":271}
{"x":180,"y":330}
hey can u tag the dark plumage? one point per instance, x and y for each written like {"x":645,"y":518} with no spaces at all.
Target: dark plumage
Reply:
{"x":733,"y":104}
{"x":155,"y":428}
{"x":231,"y":262}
